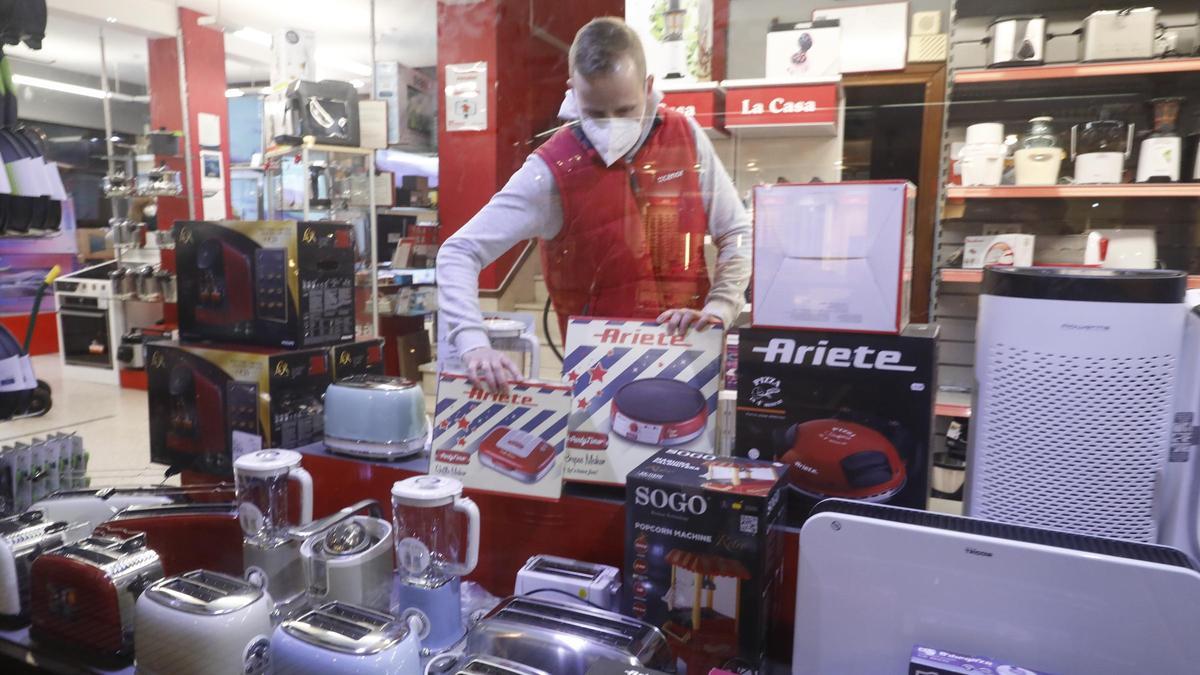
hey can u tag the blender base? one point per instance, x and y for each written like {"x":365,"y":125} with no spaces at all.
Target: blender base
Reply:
{"x":282,"y":566}
{"x":442,"y":607}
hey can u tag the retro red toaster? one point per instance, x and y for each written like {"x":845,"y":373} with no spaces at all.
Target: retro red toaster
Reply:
{"x":186,"y":536}
{"x":83,"y":594}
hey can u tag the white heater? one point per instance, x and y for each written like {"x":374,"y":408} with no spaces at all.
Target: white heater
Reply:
{"x":1075,"y":393}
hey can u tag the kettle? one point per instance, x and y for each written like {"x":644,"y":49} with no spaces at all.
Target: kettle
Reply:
{"x":351,"y":560}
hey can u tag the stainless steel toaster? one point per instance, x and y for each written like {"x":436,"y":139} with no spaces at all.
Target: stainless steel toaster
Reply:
{"x":490,"y":665}
{"x":23,"y":538}
{"x":593,"y":583}
{"x":566,"y":639}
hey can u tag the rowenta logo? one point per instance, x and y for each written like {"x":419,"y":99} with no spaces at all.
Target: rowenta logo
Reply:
{"x":783,"y":350}
{"x":669,"y":176}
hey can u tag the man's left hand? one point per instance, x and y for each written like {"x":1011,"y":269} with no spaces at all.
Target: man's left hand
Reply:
{"x":680,"y":321}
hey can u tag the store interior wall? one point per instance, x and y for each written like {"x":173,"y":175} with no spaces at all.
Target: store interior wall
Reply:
{"x":46,"y":105}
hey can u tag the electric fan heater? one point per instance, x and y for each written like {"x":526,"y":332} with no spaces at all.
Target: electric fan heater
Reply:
{"x":1075,"y":390}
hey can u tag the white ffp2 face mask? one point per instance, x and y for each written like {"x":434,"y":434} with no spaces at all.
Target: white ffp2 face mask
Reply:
{"x":613,"y":137}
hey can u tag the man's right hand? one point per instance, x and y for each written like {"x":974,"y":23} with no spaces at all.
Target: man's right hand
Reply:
{"x":490,"y":369}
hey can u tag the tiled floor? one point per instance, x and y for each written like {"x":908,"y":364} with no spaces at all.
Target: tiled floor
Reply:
{"x":113,"y":422}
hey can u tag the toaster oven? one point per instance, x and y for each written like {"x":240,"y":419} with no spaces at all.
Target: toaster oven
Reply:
{"x":343,"y":639}
{"x":187,"y":536}
{"x":566,"y":639}
{"x":83,"y":594}
{"x":592,"y":583}
{"x":23,"y":538}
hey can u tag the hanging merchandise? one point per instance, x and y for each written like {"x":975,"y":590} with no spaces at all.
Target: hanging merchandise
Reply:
{"x":1039,"y":158}
{"x":342,"y":639}
{"x":1099,"y":150}
{"x":1161,"y":153}
{"x":636,"y":389}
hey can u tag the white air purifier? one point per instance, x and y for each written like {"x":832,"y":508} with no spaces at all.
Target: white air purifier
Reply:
{"x":1075,"y":387}
{"x":1179,"y":516}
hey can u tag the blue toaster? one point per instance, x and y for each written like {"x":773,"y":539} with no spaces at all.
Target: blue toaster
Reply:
{"x":376,"y":417}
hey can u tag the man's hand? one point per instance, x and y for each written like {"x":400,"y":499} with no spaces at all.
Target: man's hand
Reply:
{"x":679,"y":321}
{"x":490,"y":369}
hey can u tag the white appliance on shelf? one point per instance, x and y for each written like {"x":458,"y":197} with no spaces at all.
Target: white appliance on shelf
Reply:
{"x":1117,"y":34}
{"x":1075,"y":382}
{"x":1128,"y":248}
{"x":876,"y":580}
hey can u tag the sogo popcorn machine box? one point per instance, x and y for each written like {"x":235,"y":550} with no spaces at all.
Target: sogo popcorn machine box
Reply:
{"x":509,"y":443}
{"x":637,"y":389}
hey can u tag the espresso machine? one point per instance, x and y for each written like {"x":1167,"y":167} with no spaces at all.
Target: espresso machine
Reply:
{"x":268,"y":547}
{"x":433,"y":552}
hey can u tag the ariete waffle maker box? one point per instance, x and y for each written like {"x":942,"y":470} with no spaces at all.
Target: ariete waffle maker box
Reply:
{"x":208,"y":404}
{"x":851,"y":414}
{"x":508,"y":443}
{"x":271,"y":283}
{"x":703,"y":553}
{"x":637,"y":389}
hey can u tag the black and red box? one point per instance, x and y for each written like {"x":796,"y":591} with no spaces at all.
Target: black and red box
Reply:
{"x":364,"y":357}
{"x":851,"y":414}
{"x":703,"y":553}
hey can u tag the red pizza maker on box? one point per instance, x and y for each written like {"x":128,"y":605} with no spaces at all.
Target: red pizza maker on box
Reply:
{"x":516,"y":454}
{"x":659,"y":411}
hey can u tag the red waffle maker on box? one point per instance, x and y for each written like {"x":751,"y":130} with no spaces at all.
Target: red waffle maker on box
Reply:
{"x":659,"y":411}
{"x":837,"y":458}
{"x":516,"y":454}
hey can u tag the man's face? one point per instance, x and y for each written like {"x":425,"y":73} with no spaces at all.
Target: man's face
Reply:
{"x":620,"y":93}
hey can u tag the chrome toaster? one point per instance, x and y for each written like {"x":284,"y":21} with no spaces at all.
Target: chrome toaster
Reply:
{"x":23,"y":538}
{"x":566,"y":639}
{"x":592,"y":583}
{"x":343,"y":639}
{"x":490,"y":665}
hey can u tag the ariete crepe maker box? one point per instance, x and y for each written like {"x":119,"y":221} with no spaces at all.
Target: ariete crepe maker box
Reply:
{"x":703,"y":553}
{"x":637,"y":389}
{"x":364,"y":357}
{"x":271,"y":283}
{"x":851,"y":414}
{"x":508,"y":443}
{"x":206,"y":405}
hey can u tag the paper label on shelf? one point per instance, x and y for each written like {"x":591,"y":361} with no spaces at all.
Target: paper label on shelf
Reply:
{"x":466,"y":96}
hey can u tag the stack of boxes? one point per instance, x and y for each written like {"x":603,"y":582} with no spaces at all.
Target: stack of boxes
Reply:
{"x":261,"y":307}
{"x":415,"y":191}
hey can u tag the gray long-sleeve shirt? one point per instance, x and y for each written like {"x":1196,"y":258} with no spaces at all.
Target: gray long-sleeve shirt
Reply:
{"x":529,"y":206}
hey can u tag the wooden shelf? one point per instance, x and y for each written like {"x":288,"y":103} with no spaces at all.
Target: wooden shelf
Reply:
{"x":952,"y":404}
{"x":952,"y":275}
{"x":1076,"y":70}
{"x":1121,"y":190}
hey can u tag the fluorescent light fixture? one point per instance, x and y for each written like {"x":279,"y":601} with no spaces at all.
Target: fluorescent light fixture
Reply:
{"x":65,"y":88}
{"x":350,"y":66}
{"x":234,"y":93}
{"x":258,"y":37}
{"x":110,"y":19}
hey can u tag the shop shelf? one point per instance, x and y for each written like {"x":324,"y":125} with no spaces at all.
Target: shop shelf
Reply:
{"x":1122,"y":191}
{"x":952,"y":404}
{"x":951,"y":275}
{"x":1070,"y":71}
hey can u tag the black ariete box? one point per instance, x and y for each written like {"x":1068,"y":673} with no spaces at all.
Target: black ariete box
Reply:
{"x":703,"y":553}
{"x":850,"y":414}
{"x":364,"y":357}
{"x":207,"y":404}
{"x":271,"y":283}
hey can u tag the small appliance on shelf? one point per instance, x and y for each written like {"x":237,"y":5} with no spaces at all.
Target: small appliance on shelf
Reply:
{"x":1039,"y":158}
{"x":1120,"y":34}
{"x":981,"y":159}
{"x":1099,"y":150}
{"x":1161,"y":153}
{"x":1016,"y":41}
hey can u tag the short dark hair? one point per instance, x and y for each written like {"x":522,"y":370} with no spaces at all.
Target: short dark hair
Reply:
{"x":600,"y":44}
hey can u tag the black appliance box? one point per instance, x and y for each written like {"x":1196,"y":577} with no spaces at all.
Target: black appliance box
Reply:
{"x":357,"y":358}
{"x":851,"y":414}
{"x":271,"y":283}
{"x":208,"y":404}
{"x":703,"y":553}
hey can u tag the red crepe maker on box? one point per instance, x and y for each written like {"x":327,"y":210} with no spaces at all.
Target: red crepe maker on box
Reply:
{"x":659,"y":411}
{"x":516,"y":454}
{"x":836,"y":458}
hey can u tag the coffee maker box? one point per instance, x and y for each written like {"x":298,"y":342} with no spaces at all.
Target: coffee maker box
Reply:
{"x":703,"y":553}
{"x":270,"y":283}
{"x":364,"y":357}
{"x":637,"y":389}
{"x":208,"y":405}
{"x":850,"y":414}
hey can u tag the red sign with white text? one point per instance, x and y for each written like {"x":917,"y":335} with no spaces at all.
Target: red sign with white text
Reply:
{"x":707,"y":106}
{"x":777,"y":105}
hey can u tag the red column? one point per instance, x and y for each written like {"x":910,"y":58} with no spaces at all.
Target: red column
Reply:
{"x":525,"y":46}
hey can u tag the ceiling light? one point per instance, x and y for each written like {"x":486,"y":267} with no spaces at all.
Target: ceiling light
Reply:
{"x":350,"y":66}
{"x":111,"y":19}
{"x":258,"y":37}
{"x":234,"y":93}
{"x":65,"y":88}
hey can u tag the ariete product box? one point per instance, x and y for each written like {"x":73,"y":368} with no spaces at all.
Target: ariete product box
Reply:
{"x":850,"y":414}
{"x":930,"y":661}
{"x":637,"y":389}
{"x":364,"y":357}
{"x":703,"y":554}
{"x":508,"y":443}
{"x":207,"y":402}
{"x":270,"y":283}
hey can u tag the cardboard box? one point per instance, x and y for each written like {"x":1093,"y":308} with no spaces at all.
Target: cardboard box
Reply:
{"x":851,"y":414}
{"x":357,"y":358}
{"x":703,"y":553}
{"x":271,"y":283}
{"x":833,"y":256}
{"x":1003,"y":250}
{"x":411,"y":96}
{"x":637,"y":389}
{"x":508,"y":443}
{"x":805,"y":50}
{"x":930,"y":661}
{"x":415,"y":183}
{"x":208,"y":405}
{"x":1069,"y":250}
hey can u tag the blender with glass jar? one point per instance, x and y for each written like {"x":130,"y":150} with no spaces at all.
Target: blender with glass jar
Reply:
{"x":262,"y":492}
{"x":1039,"y":158}
{"x":1161,"y":154}
{"x":432,"y":552}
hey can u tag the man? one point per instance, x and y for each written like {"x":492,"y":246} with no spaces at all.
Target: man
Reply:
{"x":621,"y":198}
